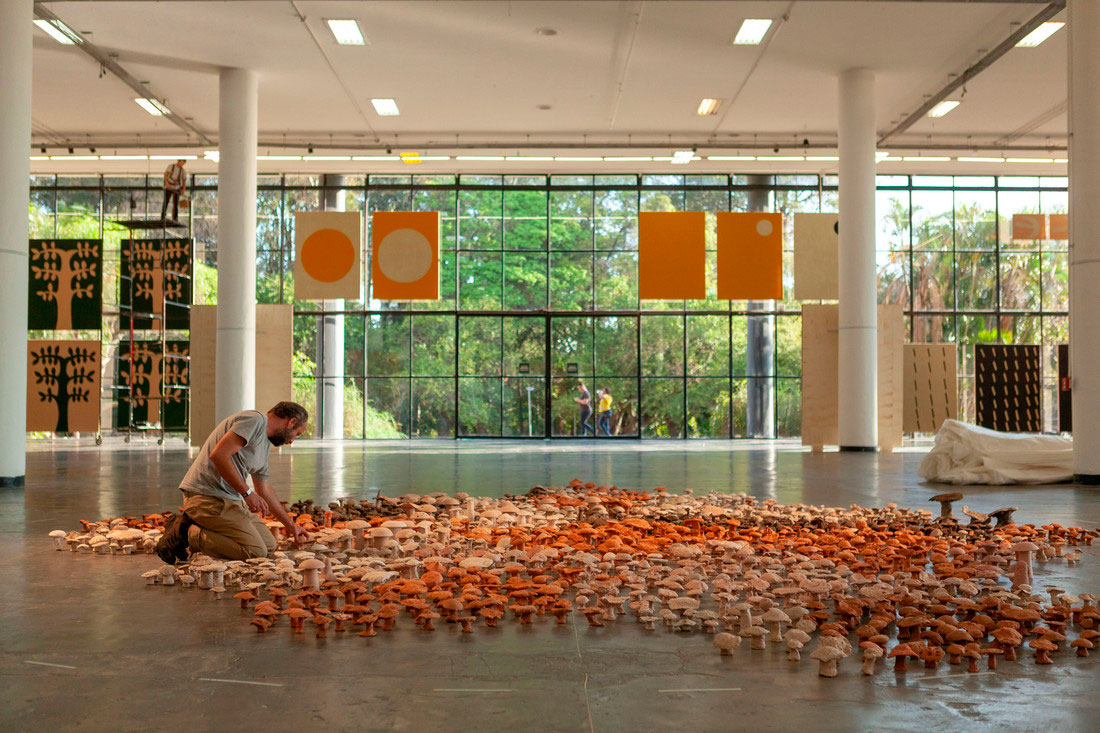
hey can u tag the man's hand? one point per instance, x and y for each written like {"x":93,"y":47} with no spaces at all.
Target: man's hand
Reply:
{"x":300,"y":534}
{"x":256,"y":504}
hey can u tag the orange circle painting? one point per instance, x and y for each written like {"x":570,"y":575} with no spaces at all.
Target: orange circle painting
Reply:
{"x":327,"y":255}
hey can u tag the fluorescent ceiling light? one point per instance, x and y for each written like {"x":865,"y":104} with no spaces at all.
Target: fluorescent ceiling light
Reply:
{"x":385,"y":107}
{"x":152,"y":106}
{"x":1029,"y":160}
{"x":708,"y":107}
{"x":214,"y":155}
{"x":980,"y":160}
{"x":575,"y":158}
{"x":1061,"y":160}
{"x":752,"y":32}
{"x":525,"y":158}
{"x":1040,"y":34}
{"x":74,"y":157}
{"x":125,"y":157}
{"x":822,"y":157}
{"x":326,"y":157}
{"x":374,"y":157}
{"x":625,"y":158}
{"x":40,"y":157}
{"x":435,"y":157}
{"x":173,"y":157}
{"x":925,"y":159}
{"x":479,"y":157}
{"x":278,"y":157}
{"x":889,"y":159}
{"x":731,"y":157}
{"x":346,"y":32}
{"x":682,"y":157}
{"x":60,"y":32}
{"x":943,"y":108}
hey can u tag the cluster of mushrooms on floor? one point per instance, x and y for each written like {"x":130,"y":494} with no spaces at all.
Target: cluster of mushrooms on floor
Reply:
{"x":871,"y":583}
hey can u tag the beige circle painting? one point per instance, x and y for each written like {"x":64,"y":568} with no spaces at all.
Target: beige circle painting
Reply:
{"x":764,"y":227}
{"x":404,"y":255}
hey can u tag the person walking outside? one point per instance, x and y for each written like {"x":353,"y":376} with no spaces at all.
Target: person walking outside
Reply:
{"x":584,"y":407}
{"x":604,"y":411}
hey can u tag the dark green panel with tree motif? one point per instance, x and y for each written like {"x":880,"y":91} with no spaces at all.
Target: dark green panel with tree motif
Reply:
{"x":66,"y":285}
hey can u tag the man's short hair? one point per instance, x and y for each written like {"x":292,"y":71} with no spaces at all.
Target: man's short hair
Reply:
{"x":287,"y":410}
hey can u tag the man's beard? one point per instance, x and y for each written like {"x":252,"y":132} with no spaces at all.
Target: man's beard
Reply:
{"x":281,"y":437}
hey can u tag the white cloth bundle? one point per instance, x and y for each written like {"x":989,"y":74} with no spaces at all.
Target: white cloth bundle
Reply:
{"x":968,"y":454}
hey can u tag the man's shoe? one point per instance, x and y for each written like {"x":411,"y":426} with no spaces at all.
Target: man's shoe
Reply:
{"x":172,"y":545}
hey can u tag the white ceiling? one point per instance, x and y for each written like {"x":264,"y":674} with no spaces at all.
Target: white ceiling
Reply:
{"x":615,"y":74}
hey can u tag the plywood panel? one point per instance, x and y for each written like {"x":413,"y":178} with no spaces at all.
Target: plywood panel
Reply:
{"x":328,"y":255}
{"x":672,"y":255}
{"x":405,"y":255}
{"x":274,"y":355}
{"x":1026,"y":227}
{"x":891,"y":337}
{"x":66,"y":285}
{"x":931,"y":386}
{"x":815,"y":256}
{"x":819,"y":375}
{"x":274,"y":359}
{"x":203,"y":348}
{"x":63,"y":385}
{"x":750,"y":256}
{"x":1007,"y":394}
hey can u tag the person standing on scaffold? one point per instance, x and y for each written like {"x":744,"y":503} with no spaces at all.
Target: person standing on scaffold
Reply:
{"x":175,"y":183}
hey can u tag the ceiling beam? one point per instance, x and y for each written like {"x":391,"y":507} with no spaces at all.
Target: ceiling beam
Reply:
{"x":109,"y":64}
{"x":984,"y":63}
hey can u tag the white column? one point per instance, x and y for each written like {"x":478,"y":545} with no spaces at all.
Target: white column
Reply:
{"x":1084,"y":234}
{"x":330,"y":359}
{"x":858,"y":365}
{"x":15,"y":146}
{"x":236,"y":356}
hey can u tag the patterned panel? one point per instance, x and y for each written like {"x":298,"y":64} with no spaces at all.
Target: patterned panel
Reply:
{"x":155,"y":271}
{"x":931,"y":386}
{"x":66,"y":284}
{"x":1008,"y":397}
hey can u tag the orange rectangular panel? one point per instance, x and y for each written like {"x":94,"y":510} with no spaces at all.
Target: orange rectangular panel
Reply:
{"x":1028,"y":227}
{"x":405,"y":255}
{"x":672,"y":255}
{"x":1059,"y":226}
{"x":750,"y":256}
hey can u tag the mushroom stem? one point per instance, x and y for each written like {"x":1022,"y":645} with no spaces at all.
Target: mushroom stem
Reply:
{"x":827,"y":668}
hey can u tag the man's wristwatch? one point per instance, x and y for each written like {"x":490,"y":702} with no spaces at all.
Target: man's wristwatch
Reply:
{"x":249,"y":493}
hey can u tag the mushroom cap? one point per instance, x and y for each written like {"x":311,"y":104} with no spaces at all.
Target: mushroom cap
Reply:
{"x":311,"y":563}
{"x":1042,"y":645}
{"x":827,"y":653}
{"x":871,"y":649}
{"x":726,"y":641}
{"x":775,"y":615}
{"x":754,"y":631}
{"x":1025,"y":547}
{"x":953,"y":496}
{"x":901,"y":650}
{"x":58,"y":533}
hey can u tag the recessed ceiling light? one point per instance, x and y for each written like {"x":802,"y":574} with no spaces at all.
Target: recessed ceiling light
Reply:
{"x":1040,"y":34}
{"x":152,"y":106}
{"x":752,"y":32}
{"x":346,"y":32}
{"x":943,"y":108}
{"x":546,"y":31}
{"x":708,"y":107}
{"x":385,"y":107}
{"x":59,"y":32}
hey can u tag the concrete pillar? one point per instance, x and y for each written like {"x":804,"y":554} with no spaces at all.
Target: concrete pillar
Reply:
{"x":15,"y":146}
{"x":236,"y":359}
{"x":760,"y":344}
{"x":1083,"y":27}
{"x":857,"y":386}
{"x":330,"y":342}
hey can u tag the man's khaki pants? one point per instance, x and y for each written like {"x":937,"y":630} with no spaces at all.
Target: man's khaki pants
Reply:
{"x":226,"y":528}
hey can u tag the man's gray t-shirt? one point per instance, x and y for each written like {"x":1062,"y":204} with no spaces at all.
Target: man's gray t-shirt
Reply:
{"x":203,"y":477}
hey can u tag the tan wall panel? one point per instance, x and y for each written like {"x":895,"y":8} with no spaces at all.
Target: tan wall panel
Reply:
{"x":819,"y":375}
{"x":204,"y":341}
{"x":815,"y":256}
{"x":931,"y":386}
{"x":891,"y":338}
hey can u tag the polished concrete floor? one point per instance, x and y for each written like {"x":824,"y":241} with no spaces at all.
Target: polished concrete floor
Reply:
{"x":83,"y":644}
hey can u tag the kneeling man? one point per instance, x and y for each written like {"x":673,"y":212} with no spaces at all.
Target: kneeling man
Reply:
{"x":221,"y":514}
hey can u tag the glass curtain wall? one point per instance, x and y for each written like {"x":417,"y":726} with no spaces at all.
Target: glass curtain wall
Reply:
{"x":539,"y":293}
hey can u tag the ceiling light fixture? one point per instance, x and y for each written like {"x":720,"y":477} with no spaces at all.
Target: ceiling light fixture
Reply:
{"x":980,"y":160}
{"x":943,"y":108}
{"x":708,"y":107}
{"x":410,"y":158}
{"x":214,"y":155}
{"x":152,"y":106}
{"x":123,"y":157}
{"x":278,"y":157}
{"x":1040,"y":34}
{"x":173,"y":157}
{"x":731,"y":157}
{"x":346,"y":32}
{"x":1029,"y":160}
{"x":752,"y":32}
{"x":479,"y":157}
{"x":682,"y":157}
{"x":60,"y":32}
{"x":627,"y":158}
{"x":385,"y":107}
{"x":374,"y":157}
{"x":925,"y":159}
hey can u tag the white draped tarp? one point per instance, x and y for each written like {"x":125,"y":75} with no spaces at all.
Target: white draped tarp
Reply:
{"x":968,"y":454}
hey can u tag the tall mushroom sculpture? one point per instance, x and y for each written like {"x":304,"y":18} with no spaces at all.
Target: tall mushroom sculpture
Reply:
{"x":827,"y":655}
{"x":1021,"y":575}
